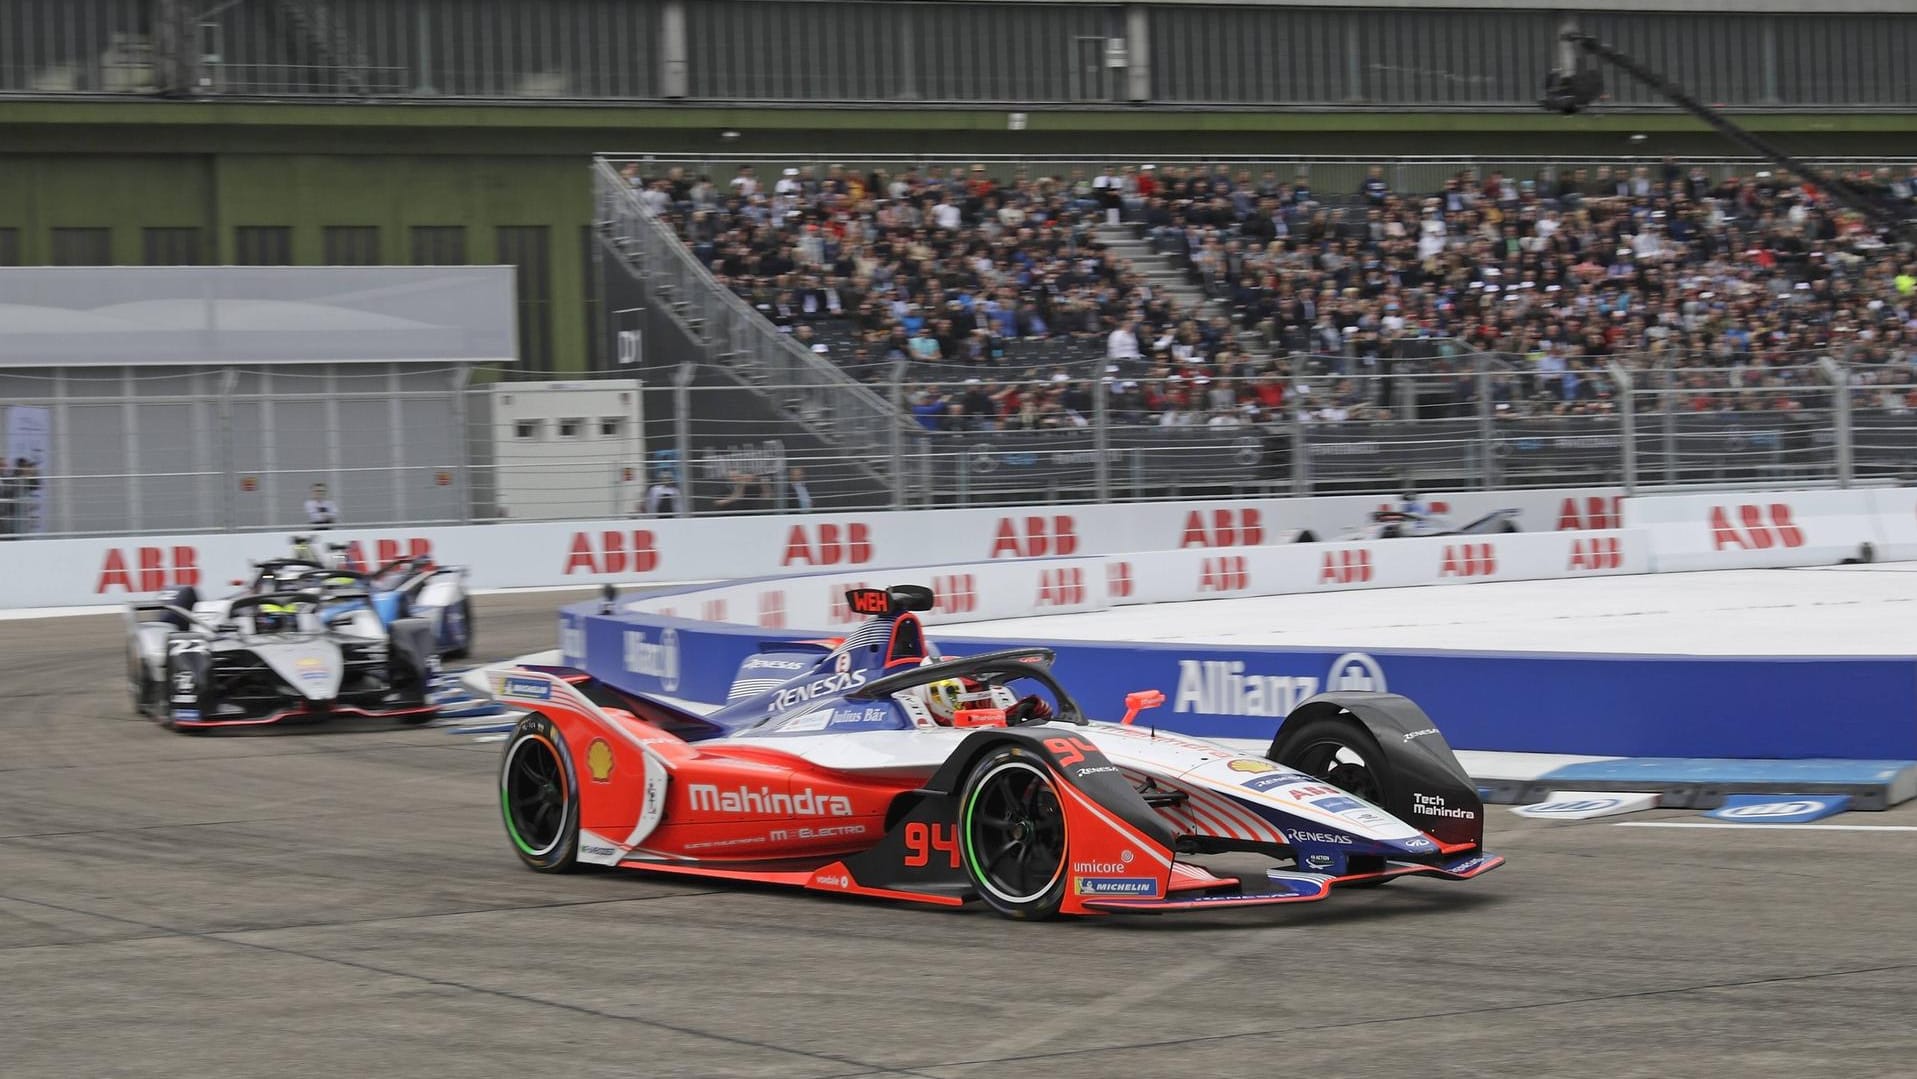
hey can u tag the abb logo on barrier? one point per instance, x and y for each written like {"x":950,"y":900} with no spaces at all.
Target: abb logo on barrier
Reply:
{"x":1756,"y":528}
{"x":955,"y":593}
{"x":384,"y":551}
{"x":148,"y":569}
{"x":1063,"y":587}
{"x":1596,"y":553}
{"x":612,"y":552}
{"x":1224,"y":528}
{"x":713,"y":610}
{"x":1227,"y":573}
{"x":1597,"y":512}
{"x":1345,"y":567}
{"x":1118,"y":580}
{"x":772,"y":610}
{"x":841,"y":610}
{"x":1040,"y":536}
{"x":832,"y":545}
{"x":1469,"y":560}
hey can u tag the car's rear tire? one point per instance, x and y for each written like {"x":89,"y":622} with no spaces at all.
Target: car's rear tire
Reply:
{"x":539,"y":797}
{"x":1013,"y":834}
{"x":1341,"y":752}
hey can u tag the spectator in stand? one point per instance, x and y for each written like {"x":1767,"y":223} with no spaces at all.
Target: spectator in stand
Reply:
{"x":321,"y":511}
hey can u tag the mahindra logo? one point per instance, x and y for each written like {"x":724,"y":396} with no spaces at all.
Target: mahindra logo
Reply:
{"x":148,"y":569}
{"x":1756,"y":528}
{"x":612,"y":552}
{"x":1351,"y":566}
{"x":1596,"y":553}
{"x":1062,"y":587}
{"x":1034,"y":537}
{"x":1469,"y":560}
{"x":766,"y":802}
{"x":1223,"y":528}
{"x":1227,"y":573}
{"x":828,"y":545}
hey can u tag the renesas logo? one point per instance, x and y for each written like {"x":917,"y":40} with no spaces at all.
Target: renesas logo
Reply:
{"x":1350,"y":566}
{"x":759,"y":661}
{"x":1596,"y":554}
{"x":1755,"y":528}
{"x":1316,"y":837}
{"x":657,"y":659}
{"x":148,"y":569}
{"x":1223,"y":528}
{"x":818,"y":687}
{"x":1224,"y":688}
{"x":1469,"y":560}
{"x":766,"y":802}
{"x":828,"y":544}
{"x":1034,"y":537}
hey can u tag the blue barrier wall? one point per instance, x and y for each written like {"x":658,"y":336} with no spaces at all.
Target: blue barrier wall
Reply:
{"x":1612,"y":705}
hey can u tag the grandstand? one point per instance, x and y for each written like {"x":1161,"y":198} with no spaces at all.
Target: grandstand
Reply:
{"x":1185,"y":311}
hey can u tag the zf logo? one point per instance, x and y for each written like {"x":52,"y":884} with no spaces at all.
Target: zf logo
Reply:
{"x":1596,"y":553}
{"x":1469,"y":560}
{"x":1228,"y":573}
{"x":1224,"y":528}
{"x":1757,"y":528}
{"x":1345,"y":567}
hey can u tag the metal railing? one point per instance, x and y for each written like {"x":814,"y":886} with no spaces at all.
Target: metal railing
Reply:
{"x":734,"y":337}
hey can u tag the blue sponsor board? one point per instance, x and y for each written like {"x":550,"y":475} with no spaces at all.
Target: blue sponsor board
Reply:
{"x":1780,"y":808}
{"x":535,"y":689}
{"x":1602,"y":705}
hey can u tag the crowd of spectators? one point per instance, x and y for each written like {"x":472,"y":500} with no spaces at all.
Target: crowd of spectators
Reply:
{"x":1724,"y":290}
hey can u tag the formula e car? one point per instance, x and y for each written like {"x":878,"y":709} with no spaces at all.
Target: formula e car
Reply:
{"x":412,"y":587}
{"x":1399,"y":523}
{"x":829,"y":770}
{"x":278,"y":657}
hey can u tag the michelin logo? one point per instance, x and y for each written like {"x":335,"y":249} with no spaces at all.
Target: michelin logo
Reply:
{"x":1224,"y":688}
{"x":660,"y":659}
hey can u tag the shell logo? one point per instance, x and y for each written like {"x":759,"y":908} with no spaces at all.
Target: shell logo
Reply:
{"x":599,"y":760}
{"x":1248,"y":764}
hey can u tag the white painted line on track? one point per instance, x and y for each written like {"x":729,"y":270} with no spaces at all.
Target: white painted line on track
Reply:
{"x":1753,"y":827}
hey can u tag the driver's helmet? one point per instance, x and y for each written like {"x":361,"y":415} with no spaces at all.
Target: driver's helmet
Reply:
{"x":275,"y":618}
{"x":946,"y":698}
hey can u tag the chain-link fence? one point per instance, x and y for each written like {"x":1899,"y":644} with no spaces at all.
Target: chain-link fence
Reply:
{"x":121,"y":451}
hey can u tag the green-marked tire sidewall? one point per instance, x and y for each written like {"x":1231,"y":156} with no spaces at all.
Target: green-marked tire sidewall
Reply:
{"x":1046,"y":904}
{"x":563,"y":854}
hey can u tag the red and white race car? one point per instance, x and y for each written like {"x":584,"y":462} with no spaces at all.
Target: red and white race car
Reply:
{"x":868,"y":766}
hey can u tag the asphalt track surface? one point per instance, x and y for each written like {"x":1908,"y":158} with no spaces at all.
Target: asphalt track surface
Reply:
{"x":346,"y":905}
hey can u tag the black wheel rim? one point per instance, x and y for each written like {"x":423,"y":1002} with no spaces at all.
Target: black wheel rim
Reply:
{"x":534,"y":793}
{"x":1015,"y":833}
{"x":1342,"y":765}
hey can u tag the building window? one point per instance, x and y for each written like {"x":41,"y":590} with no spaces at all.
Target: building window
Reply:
{"x":174,"y":247}
{"x":263,"y":245}
{"x":439,"y":245}
{"x":526,"y":430}
{"x":609,"y":426}
{"x":352,"y":245}
{"x":82,"y":247}
{"x":529,"y":247}
{"x":9,"y":247}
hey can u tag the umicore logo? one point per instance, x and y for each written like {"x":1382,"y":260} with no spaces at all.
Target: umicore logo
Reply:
{"x":804,"y":802}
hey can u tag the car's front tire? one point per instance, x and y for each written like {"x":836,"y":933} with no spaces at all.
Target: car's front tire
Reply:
{"x":1012,"y":833}
{"x":539,"y":797}
{"x":1342,"y":752}
{"x":462,"y":646}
